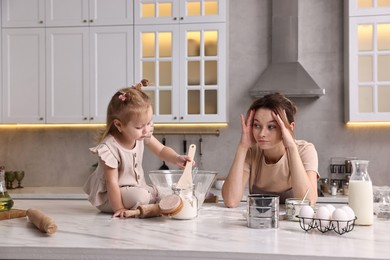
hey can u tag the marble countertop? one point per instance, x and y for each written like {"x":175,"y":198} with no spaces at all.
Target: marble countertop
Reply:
{"x":217,"y":233}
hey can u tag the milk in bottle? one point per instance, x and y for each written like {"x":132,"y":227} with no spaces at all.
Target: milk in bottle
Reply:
{"x":360,"y":197}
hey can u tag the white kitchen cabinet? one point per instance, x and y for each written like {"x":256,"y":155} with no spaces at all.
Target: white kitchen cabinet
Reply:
{"x":41,"y":13}
{"x":179,"y":11}
{"x":85,"y":66}
{"x":111,"y":12}
{"x":368,"y":7}
{"x":88,"y":12}
{"x":23,"y":13}
{"x":187,"y":70}
{"x":67,"y":75}
{"x":367,"y":66}
{"x":23,"y":63}
{"x":111,"y":66}
{"x":64,"y":74}
{"x":67,"y":13}
{"x":180,"y":46}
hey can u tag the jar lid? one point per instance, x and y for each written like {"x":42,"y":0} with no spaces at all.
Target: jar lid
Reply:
{"x":170,"y":204}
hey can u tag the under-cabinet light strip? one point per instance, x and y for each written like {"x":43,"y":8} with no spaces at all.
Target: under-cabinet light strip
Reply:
{"x":216,"y":132}
{"x":368,"y":124}
{"x":194,"y":127}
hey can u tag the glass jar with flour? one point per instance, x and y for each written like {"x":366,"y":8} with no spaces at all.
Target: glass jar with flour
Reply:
{"x":182,"y":204}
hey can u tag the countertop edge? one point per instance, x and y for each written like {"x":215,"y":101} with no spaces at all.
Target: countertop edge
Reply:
{"x":144,"y":254}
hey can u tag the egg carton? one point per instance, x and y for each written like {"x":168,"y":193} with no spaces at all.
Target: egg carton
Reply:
{"x":325,"y":225}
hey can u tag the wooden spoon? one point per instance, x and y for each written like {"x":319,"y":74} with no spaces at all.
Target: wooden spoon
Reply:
{"x":185,"y":180}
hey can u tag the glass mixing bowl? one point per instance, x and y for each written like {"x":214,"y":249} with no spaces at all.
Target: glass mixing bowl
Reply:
{"x":164,"y":179}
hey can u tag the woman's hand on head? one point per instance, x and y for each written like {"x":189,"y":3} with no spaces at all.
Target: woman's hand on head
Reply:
{"x":247,"y":139}
{"x":288,"y":139}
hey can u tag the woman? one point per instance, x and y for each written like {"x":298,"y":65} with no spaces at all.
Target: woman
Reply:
{"x":268,"y":156}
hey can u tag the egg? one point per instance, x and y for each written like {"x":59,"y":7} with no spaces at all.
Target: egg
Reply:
{"x":307,"y":213}
{"x":331,"y":208}
{"x":323,"y":217}
{"x":349,"y":211}
{"x":340,"y":218}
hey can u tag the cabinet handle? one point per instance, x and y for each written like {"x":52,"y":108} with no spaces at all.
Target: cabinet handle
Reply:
{"x":175,"y":117}
{"x":91,"y":21}
{"x":85,"y":118}
{"x":84,"y":21}
{"x":174,"y":18}
{"x":181,"y":118}
{"x":181,"y":18}
{"x":91,"y":118}
{"x":41,"y":118}
{"x":41,"y":22}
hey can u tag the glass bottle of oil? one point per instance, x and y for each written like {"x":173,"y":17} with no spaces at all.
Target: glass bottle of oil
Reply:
{"x":6,"y":201}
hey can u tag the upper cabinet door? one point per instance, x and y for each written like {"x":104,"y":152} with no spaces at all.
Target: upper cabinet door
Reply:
{"x":369,"y":69}
{"x":88,"y":13}
{"x":23,"y":13}
{"x":67,"y":75}
{"x":67,"y":13}
{"x":203,"y":73}
{"x":179,"y":11}
{"x":368,"y":7}
{"x":23,"y":63}
{"x":110,"y":12}
{"x":202,"y":11}
{"x":367,"y":81}
{"x":156,"y":12}
{"x":111,"y":66}
{"x":157,"y":59}
{"x":186,"y":67}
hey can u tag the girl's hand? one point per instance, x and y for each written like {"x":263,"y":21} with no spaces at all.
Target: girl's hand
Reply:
{"x":182,"y":160}
{"x":247,"y":139}
{"x":288,"y":139}
{"x":119,"y":213}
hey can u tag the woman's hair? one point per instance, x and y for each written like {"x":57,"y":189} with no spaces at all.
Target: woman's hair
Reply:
{"x":276,"y":102}
{"x":125,"y":105}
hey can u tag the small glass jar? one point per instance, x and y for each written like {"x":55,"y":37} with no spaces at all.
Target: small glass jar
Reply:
{"x":325,"y":185}
{"x":293,"y":207}
{"x":6,"y":201}
{"x":384,"y":204}
{"x":333,"y":189}
{"x":190,"y":204}
{"x":346,"y":188}
{"x":182,"y":204}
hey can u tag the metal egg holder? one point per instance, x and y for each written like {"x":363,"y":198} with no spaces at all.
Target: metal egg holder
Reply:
{"x":338,"y":226}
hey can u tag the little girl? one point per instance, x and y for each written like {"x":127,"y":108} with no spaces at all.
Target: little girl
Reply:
{"x":118,"y":182}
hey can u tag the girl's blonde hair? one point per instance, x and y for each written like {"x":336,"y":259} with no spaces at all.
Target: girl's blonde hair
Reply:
{"x":125,"y":105}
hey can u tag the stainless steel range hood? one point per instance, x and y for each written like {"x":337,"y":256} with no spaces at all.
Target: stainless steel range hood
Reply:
{"x":285,"y":74}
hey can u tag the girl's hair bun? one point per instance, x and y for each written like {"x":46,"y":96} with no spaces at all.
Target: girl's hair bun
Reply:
{"x":145,"y":82}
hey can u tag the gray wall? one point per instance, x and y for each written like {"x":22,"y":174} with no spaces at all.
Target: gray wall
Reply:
{"x":55,"y":157}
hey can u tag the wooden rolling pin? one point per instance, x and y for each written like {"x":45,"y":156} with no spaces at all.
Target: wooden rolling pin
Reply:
{"x":13,"y":213}
{"x":44,"y":223}
{"x":144,"y":211}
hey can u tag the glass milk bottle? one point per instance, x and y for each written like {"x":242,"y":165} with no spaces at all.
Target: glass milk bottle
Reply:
{"x":6,"y":201}
{"x":360,"y":196}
